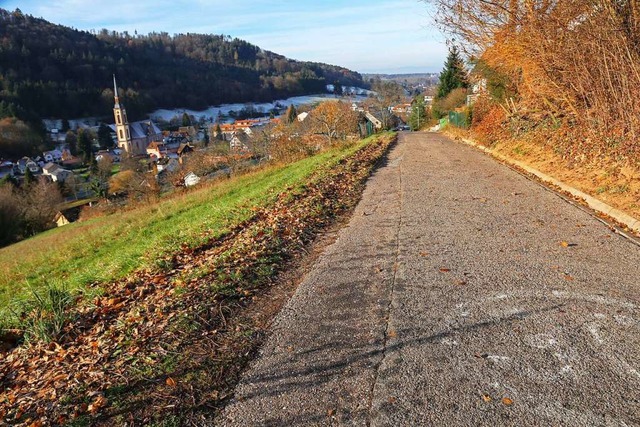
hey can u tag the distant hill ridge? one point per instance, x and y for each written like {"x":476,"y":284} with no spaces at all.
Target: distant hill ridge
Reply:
{"x":49,"y":70}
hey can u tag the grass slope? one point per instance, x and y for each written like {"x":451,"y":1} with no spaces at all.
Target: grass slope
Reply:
{"x":108,"y":248}
{"x":166,"y":347}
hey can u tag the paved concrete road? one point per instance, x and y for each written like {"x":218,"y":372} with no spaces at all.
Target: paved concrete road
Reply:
{"x":450,"y":300}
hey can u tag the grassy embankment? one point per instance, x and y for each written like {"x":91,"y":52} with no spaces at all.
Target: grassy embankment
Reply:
{"x":108,"y":248}
{"x":166,"y":346}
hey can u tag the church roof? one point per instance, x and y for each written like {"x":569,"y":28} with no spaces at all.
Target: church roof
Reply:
{"x":141,"y":129}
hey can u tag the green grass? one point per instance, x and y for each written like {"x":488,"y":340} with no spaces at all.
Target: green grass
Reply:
{"x":108,"y":248}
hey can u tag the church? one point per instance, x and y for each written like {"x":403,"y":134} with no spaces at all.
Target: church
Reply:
{"x":132,"y":137}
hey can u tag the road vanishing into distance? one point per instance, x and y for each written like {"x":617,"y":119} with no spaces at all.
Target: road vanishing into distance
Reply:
{"x":459,"y":294}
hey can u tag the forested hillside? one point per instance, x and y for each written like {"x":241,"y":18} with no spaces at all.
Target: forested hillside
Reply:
{"x":49,"y":70}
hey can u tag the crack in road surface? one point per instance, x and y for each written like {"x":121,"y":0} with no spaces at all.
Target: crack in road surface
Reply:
{"x":397,"y":163}
{"x":450,"y":299}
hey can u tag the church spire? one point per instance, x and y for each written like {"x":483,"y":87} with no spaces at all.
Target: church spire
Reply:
{"x":115,"y":92}
{"x":122,"y":124}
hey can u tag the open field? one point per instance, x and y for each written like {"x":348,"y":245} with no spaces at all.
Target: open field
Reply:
{"x":107,"y":248}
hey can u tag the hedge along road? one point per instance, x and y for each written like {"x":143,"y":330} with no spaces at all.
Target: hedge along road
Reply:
{"x":459,"y":294}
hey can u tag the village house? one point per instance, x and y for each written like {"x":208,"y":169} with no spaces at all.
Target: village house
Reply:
{"x":184,"y":148}
{"x":188,"y":131}
{"x":6,"y":168}
{"x":52,"y":156}
{"x":239,"y":142}
{"x":157,"y":150}
{"x":108,"y":154}
{"x":65,"y":153}
{"x":401,"y":108}
{"x":191,"y":179}
{"x":173,"y":139}
{"x":56,"y":173}
{"x":27,"y":163}
{"x":478,"y":88}
{"x":67,"y":216}
{"x":377,"y":123}
{"x":167,"y":164}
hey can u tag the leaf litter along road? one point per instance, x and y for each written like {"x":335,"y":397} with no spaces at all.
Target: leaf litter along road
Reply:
{"x":544,"y":331}
{"x":167,"y":346}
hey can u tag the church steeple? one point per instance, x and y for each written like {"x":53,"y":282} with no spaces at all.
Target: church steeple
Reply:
{"x":115,"y":92}
{"x":122,"y":123}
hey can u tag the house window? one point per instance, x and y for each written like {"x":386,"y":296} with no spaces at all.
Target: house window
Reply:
{"x":128,"y":134}
{"x":121,"y":134}
{"x":118,"y":121}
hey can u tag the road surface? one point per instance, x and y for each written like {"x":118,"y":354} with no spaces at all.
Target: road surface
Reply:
{"x":459,"y":294}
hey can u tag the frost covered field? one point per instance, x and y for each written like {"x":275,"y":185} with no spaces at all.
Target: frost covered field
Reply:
{"x":213,"y":112}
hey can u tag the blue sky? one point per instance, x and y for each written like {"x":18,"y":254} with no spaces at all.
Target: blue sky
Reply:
{"x":391,"y":36}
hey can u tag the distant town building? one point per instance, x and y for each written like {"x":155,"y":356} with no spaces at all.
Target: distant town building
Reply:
{"x":191,"y":179}
{"x":52,"y":156}
{"x":6,"y":168}
{"x":56,"y":173}
{"x":27,"y":163}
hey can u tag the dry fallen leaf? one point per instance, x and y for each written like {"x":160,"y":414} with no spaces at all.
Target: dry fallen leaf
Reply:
{"x":171,"y":382}
{"x":331,"y":412}
{"x":100,"y":402}
{"x":564,"y":244}
{"x":445,"y":270}
{"x":486,"y":398}
{"x":507,"y":401}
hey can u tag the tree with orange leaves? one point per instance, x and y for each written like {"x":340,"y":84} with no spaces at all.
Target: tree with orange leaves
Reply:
{"x":334,"y":120}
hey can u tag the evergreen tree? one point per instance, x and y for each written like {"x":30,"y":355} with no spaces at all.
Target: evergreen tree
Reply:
{"x":218,"y":132}
{"x":104,"y":136}
{"x":337,"y":88}
{"x":453,"y":76}
{"x":65,"y":125}
{"x":29,"y":178}
{"x":72,"y":141}
{"x":85,"y":146}
{"x":7,"y":110}
{"x":9,"y":180}
{"x":205,"y":139}
{"x":186,"y":120}
{"x":291,"y":115}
